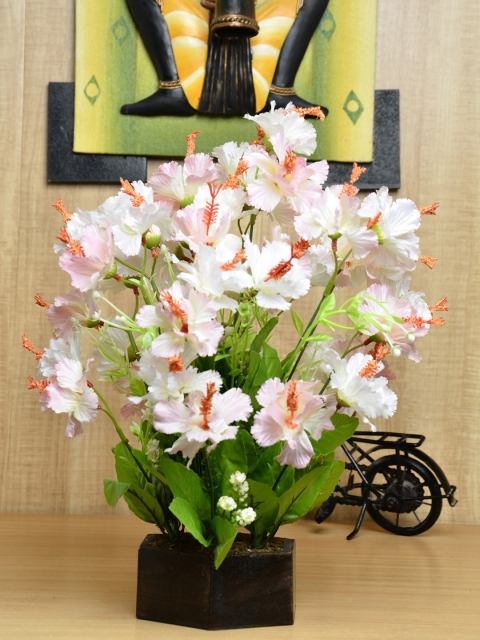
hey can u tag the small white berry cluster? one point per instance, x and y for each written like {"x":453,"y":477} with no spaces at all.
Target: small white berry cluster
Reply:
{"x":242,"y":517}
{"x":240,"y":485}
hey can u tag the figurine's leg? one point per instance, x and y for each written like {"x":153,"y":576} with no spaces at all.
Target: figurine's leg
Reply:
{"x":292,"y":53}
{"x":170,"y":98}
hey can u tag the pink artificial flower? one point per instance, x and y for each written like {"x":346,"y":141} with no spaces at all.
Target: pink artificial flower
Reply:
{"x":412,"y":318}
{"x":291,"y":411}
{"x":93,"y":261}
{"x":185,"y":317}
{"x":178,"y":185}
{"x":206,"y":417}
{"x":73,"y":307}
{"x":204,"y":224}
{"x":286,"y":179}
{"x":69,"y":392}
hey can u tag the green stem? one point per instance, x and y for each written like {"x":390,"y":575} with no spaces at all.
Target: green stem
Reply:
{"x":129,"y":266}
{"x":210,"y":480}
{"x":135,"y":311}
{"x":279,"y":477}
{"x":133,"y":345}
{"x":327,"y":291}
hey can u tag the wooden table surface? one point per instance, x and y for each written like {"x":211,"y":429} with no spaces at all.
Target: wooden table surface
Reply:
{"x":74,"y":577}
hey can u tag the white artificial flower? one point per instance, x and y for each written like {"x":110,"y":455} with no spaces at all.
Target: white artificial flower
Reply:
{"x":185,"y":316}
{"x":237,"y":478}
{"x":277,"y":276}
{"x":226,"y":503}
{"x":359,"y":386}
{"x":300,"y":134}
{"x":395,"y":224}
{"x":246,"y":516}
{"x":205,"y":417}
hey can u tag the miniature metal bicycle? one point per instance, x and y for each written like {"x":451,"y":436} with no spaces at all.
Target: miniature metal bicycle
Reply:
{"x":399,"y":485}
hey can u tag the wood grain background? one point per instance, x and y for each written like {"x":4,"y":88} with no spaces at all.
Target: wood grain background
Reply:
{"x":429,"y":50}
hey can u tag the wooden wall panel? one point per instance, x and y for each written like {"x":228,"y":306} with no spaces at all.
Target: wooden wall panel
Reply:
{"x":428,"y":51}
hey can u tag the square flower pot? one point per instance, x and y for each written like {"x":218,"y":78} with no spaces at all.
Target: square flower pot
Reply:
{"x":178,"y":584}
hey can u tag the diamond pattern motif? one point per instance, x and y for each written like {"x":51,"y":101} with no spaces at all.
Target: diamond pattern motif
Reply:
{"x":121,"y":30}
{"x":92,"y":90}
{"x":353,"y":107}
{"x":327,"y":25}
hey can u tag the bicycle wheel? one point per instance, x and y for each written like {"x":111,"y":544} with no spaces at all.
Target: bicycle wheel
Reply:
{"x":325,"y":510}
{"x":409,"y":496}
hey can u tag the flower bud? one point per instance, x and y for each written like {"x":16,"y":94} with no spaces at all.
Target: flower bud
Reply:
{"x":91,"y":323}
{"x":410,"y":337}
{"x":112,"y":272}
{"x":153,"y":237}
{"x":396,"y":352}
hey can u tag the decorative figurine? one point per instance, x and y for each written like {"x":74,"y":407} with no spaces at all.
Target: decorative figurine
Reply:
{"x":402,"y":490}
{"x":228,"y":86}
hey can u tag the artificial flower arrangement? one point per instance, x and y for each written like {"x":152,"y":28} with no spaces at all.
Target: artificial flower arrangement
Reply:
{"x":231,"y":433}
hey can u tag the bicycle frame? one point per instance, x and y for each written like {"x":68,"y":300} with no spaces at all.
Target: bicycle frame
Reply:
{"x":359,"y":459}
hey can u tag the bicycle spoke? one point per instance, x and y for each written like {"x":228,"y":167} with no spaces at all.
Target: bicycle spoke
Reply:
{"x":397,"y":519}
{"x":418,"y":519}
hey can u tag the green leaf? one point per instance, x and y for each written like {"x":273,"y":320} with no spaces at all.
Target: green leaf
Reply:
{"x":286,"y":481}
{"x":187,"y":515}
{"x":227,"y":457}
{"x":252,"y":450}
{"x":138,"y":508}
{"x":267,"y":468}
{"x":288,"y":499}
{"x":319,"y":337}
{"x":137,"y":387}
{"x":329,"y":486}
{"x":309,"y":497}
{"x":253,"y":367}
{"x":185,"y":484}
{"x":113,"y":491}
{"x":327,"y":307}
{"x":297,"y":322}
{"x":345,"y":427}
{"x":126,"y":468}
{"x":266,"y":506}
{"x":263,"y":334}
{"x":270,"y":366}
{"x":225,"y":534}
{"x":144,"y":505}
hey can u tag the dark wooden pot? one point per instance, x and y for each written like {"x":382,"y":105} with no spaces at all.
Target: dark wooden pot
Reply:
{"x":178,"y":584}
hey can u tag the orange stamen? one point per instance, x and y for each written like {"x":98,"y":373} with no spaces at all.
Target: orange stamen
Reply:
{"x":379,"y":352}
{"x":174,"y":305}
{"x":60,"y":207}
{"x":349,"y":189}
{"x":292,"y":404}
{"x":260,"y":136}
{"x":373,"y":221}
{"x":310,"y":111}
{"x":206,"y":405}
{"x":369,"y":369}
{"x":440,"y":322}
{"x":242,"y":166}
{"x":155,"y":254}
{"x":175,"y":364}
{"x":127,"y":188}
{"x":40,"y":301}
{"x":428,"y":260}
{"x":238,"y":257}
{"x":191,"y":142}
{"x":76,"y":249}
{"x":440,"y":306}
{"x":299,"y":248}
{"x":282,"y":268}
{"x":430,"y":210}
{"x":64,"y":237}
{"x":29,"y":347}
{"x":415,"y":320}
{"x":290,"y":162}
{"x":232,"y":182}
{"x":35,"y":384}
{"x":211,"y":208}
